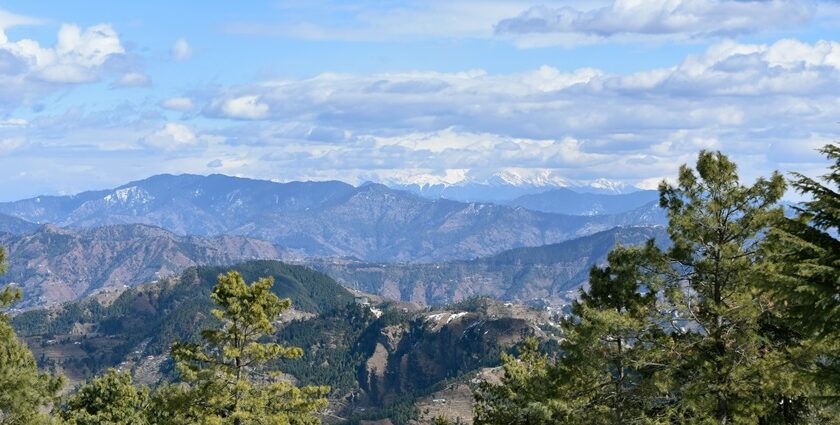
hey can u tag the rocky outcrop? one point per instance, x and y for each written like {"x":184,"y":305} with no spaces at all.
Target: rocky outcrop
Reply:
{"x":409,"y":359}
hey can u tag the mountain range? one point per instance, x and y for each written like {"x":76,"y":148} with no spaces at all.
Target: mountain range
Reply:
{"x":567,"y":201}
{"x":370,"y":222}
{"x":544,"y":275}
{"x":503,"y":186}
{"x":53,"y":265}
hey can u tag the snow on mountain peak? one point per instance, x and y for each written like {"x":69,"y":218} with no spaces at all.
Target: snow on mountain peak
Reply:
{"x":129,"y":196}
{"x":609,"y":185}
{"x":537,"y":177}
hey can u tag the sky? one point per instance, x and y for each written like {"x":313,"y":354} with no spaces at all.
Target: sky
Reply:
{"x":97,"y":93}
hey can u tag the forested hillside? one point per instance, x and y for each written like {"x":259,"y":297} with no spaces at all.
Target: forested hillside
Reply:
{"x":378,"y":358}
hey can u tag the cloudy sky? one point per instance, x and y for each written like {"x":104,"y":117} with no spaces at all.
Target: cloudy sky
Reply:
{"x":97,"y":93}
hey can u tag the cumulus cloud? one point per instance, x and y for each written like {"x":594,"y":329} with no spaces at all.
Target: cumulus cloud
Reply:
{"x":767,"y":105}
{"x":242,"y":107}
{"x":667,"y":19}
{"x":181,"y":50}
{"x":585,"y":123}
{"x":29,"y":70}
{"x":171,"y":137}
{"x":182,"y":104}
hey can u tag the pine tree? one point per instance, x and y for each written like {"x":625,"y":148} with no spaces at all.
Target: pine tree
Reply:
{"x":525,"y":391}
{"x":226,"y":378}
{"x":110,"y":399}
{"x":715,"y":224}
{"x":802,"y":277}
{"x":614,"y":342}
{"x":612,"y":347}
{"x":678,"y":336}
{"x":23,"y":390}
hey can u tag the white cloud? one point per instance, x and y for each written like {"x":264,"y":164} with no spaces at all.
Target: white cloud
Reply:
{"x":171,"y":137}
{"x":14,"y":123}
{"x":652,"y":183}
{"x":133,"y":79}
{"x":182,"y":104}
{"x":31,"y":70}
{"x":181,"y":50}
{"x":767,"y":105}
{"x":9,"y":20}
{"x":658,"y":19}
{"x":586,"y":123}
{"x":244,"y":107}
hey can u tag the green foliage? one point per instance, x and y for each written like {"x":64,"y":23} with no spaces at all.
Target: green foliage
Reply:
{"x":715,"y":224}
{"x":171,"y":310}
{"x":802,"y":279}
{"x":330,"y":347}
{"x":24,"y":391}
{"x":226,"y":379}
{"x":525,"y":393}
{"x":690,"y":334}
{"x":107,"y":399}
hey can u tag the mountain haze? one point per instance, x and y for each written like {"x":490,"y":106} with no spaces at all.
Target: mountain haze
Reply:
{"x":567,"y":201}
{"x":54,"y":265}
{"x":370,"y":222}
{"x":545,"y":274}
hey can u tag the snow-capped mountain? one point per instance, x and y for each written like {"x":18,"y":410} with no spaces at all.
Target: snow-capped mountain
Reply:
{"x":501,"y":186}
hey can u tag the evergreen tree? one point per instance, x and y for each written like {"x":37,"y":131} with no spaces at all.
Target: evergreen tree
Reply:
{"x":110,"y":399}
{"x":802,"y":277}
{"x":614,"y":343}
{"x":611,"y":351}
{"x":715,"y":224}
{"x":677,"y":336}
{"x":23,"y":390}
{"x":524,"y":394}
{"x":226,"y":378}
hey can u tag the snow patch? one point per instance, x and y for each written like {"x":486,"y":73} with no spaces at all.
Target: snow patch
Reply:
{"x":129,"y":196}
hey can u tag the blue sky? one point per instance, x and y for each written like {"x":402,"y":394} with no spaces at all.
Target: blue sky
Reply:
{"x":94,"y":94}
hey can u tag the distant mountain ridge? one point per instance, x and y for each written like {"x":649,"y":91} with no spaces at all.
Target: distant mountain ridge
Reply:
{"x":371,"y":222}
{"x":545,"y":274}
{"x":15,"y":226}
{"x":502,"y":186}
{"x":567,"y":201}
{"x":53,"y":265}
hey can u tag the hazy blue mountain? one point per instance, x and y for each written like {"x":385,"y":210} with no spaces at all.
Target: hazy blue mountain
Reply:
{"x":550,"y":273}
{"x":472,"y":192}
{"x":504,"y":185}
{"x":567,"y":201}
{"x":16,"y":226}
{"x":371,"y":222}
{"x":54,"y":265}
